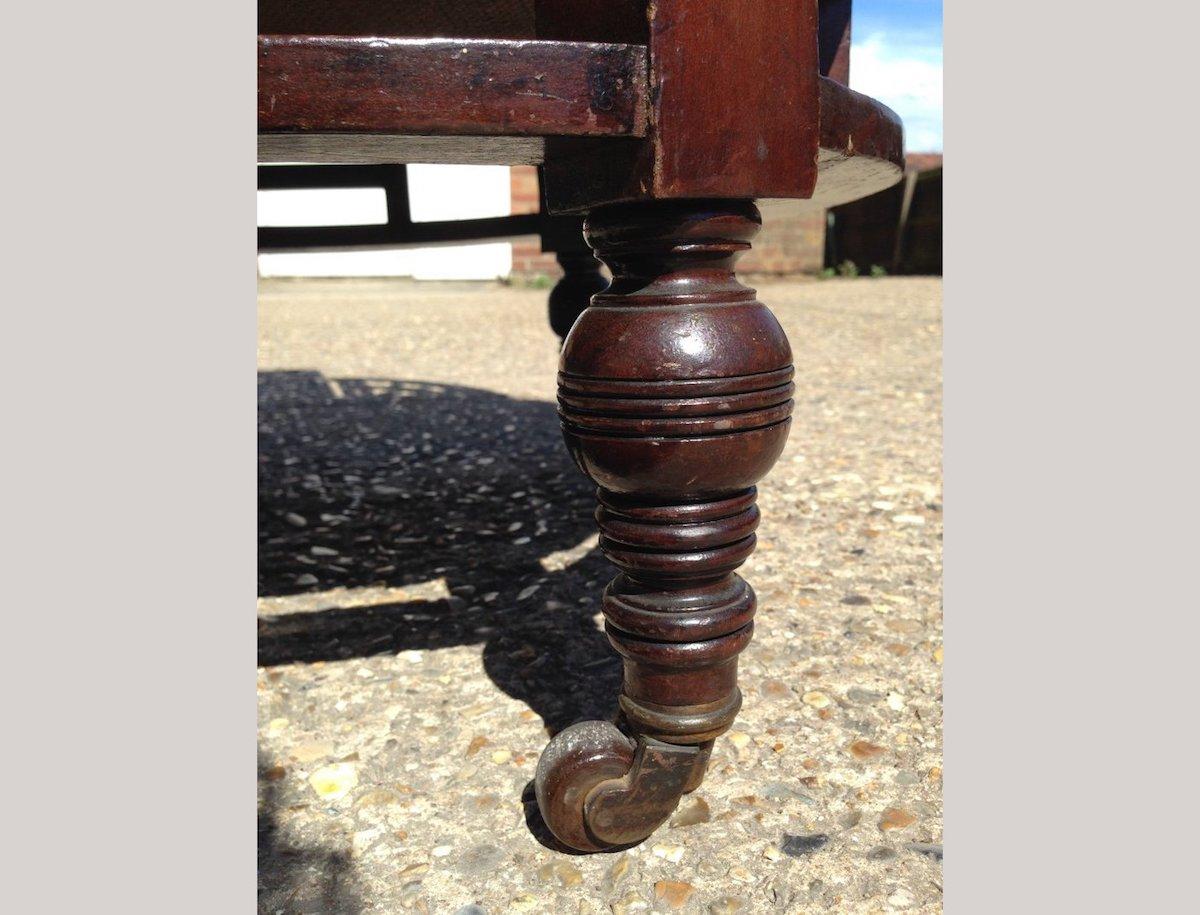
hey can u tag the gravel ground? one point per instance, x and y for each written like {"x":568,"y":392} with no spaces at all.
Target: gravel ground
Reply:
{"x":428,"y":602}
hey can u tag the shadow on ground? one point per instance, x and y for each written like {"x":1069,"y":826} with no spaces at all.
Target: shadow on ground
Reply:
{"x":369,"y":482}
{"x":297,"y":879}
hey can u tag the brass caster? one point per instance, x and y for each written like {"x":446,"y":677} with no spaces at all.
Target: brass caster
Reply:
{"x":598,"y":789}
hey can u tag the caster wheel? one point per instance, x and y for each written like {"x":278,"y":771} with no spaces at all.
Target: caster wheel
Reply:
{"x":598,"y":789}
{"x":575,"y":761}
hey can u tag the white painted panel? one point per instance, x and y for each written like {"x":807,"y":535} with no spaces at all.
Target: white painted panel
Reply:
{"x":458,"y":192}
{"x":446,"y":262}
{"x":436,"y":192}
{"x":349,"y":206}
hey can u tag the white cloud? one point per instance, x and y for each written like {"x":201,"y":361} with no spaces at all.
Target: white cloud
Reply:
{"x":908,"y":79}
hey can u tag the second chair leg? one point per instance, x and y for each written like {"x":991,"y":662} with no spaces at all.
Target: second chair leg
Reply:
{"x":675,"y":398}
{"x":580,"y":281}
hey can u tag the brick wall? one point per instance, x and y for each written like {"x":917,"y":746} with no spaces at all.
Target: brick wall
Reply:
{"x":527,"y":257}
{"x":792,"y":240}
{"x":880,"y":230}
{"x":922,"y":161}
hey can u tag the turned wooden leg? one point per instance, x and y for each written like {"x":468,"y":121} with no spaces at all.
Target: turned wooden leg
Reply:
{"x":675,"y":399}
{"x":581,"y":280}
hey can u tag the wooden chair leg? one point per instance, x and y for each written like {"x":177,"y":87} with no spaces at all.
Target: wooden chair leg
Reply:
{"x":675,"y":398}
{"x":580,"y":281}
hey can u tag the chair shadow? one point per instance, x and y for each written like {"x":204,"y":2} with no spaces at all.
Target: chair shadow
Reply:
{"x":296,"y":878}
{"x":367,"y":482}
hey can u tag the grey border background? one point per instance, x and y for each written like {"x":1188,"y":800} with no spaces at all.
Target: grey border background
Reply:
{"x":1070,"y":415}
{"x":129,"y":669}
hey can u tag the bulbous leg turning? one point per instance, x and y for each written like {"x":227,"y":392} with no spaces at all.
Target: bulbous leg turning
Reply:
{"x":675,"y":398}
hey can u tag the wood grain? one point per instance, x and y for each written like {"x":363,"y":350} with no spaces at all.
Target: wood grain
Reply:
{"x":386,"y":149}
{"x":735,"y":98}
{"x":862,"y":146}
{"x":860,"y":152}
{"x":734,"y":110}
{"x":450,"y":86}
{"x":717,"y":119}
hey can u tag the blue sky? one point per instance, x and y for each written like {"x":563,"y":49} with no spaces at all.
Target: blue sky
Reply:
{"x":896,"y":57}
